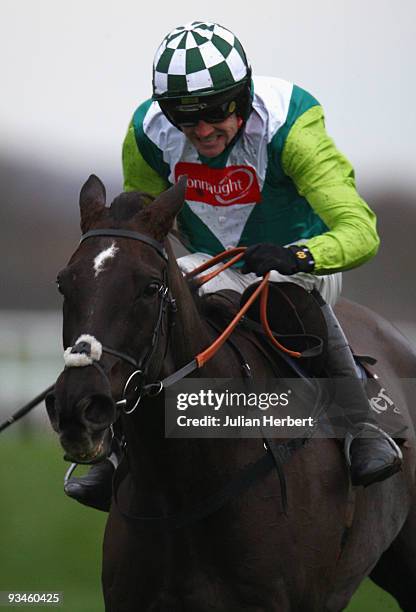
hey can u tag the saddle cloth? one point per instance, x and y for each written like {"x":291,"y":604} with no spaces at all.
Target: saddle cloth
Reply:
{"x":388,"y":415}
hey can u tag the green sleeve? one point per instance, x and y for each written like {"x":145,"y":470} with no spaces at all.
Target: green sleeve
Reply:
{"x":138,"y":175}
{"x":326,"y":179}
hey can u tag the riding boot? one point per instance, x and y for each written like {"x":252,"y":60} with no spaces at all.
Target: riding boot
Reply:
{"x":371,"y":453}
{"x":95,"y":489}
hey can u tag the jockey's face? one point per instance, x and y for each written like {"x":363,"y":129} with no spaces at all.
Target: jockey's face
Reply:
{"x":211,"y":139}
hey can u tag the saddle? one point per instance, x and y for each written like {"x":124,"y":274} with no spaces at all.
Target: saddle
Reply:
{"x":294,"y":316}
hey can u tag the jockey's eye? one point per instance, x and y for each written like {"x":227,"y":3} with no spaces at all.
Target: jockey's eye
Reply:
{"x":152,"y":289}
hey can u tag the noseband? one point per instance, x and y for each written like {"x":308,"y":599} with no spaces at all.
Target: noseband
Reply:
{"x":88,"y":350}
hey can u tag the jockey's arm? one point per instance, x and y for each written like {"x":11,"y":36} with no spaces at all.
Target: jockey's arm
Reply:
{"x":326,"y":179}
{"x":138,"y":174}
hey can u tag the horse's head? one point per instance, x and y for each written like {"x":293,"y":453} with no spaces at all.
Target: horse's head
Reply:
{"x":115,"y":313}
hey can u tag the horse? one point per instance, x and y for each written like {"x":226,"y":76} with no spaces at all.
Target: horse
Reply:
{"x":186,"y":530}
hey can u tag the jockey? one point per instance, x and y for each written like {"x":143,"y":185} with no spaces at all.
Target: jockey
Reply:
{"x":262,"y":173}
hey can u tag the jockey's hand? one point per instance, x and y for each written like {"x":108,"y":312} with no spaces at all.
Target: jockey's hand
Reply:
{"x":261,"y":258}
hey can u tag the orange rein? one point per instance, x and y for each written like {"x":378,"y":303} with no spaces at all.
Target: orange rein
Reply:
{"x":263,"y":290}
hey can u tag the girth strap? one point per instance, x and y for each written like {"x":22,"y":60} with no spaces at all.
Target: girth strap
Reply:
{"x":277,"y":454}
{"x":243,"y":481}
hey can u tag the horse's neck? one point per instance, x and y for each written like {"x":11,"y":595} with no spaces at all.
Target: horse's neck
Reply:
{"x":147,"y":443}
{"x":155,"y":460}
{"x":190,"y":333}
{"x":173,"y":473}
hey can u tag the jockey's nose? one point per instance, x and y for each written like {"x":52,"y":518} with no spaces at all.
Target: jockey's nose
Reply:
{"x":203,"y":129}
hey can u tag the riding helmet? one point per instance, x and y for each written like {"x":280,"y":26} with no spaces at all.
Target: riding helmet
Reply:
{"x":202,"y":63}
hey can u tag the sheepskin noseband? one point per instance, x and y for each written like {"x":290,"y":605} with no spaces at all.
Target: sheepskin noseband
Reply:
{"x":85,"y":351}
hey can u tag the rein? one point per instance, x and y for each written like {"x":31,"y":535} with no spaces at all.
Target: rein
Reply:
{"x":262,"y":291}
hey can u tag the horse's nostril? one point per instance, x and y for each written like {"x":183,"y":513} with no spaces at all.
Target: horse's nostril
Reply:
{"x":98,"y":411}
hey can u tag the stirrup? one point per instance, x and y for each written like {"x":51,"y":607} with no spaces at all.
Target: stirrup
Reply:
{"x":113,"y":457}
{"x":349,"y":438}
{"x":68,"y":474}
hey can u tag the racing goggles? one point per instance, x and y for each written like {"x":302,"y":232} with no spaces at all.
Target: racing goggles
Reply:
{"x":188,"y":115}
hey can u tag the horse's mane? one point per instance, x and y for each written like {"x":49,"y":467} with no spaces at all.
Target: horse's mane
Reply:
{"x":139,"y":204}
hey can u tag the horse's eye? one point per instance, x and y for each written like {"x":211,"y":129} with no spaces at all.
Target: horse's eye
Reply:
{"x":152,"y":289}
{"x":58,"y":284}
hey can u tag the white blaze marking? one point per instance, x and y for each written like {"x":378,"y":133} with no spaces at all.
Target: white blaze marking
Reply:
{"x":102,"y":258}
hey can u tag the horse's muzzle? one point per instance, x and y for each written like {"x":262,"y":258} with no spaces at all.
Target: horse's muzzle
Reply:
{"x":97,"y":453}
{"x":81,"y":411}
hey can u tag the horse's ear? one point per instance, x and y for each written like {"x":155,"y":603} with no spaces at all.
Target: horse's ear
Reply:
{"x":167,"y":205}
{"x":91,"y":202}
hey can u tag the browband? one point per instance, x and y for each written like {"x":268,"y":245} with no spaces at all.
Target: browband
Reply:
{"x":158,"y":246}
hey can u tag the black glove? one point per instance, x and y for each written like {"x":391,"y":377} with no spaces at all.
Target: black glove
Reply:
{"x":261,"y":258}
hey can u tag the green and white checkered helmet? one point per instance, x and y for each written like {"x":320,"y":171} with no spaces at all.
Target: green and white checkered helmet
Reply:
{"x":200,"y":59}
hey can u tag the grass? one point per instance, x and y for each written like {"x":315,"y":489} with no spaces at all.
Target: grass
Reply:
{"x":49,"y":543}
{"x":370,"y":598}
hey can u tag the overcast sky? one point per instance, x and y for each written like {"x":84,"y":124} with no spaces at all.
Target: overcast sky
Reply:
{"x":73,"y":73}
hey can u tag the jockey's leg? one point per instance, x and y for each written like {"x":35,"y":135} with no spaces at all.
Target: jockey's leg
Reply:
{"x":373,"y":458}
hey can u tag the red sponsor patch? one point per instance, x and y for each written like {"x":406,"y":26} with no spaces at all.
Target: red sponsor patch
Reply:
{"x":219,"y":186}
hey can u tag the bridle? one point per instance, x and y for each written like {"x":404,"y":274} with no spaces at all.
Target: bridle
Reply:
{"x":134,"y":388}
